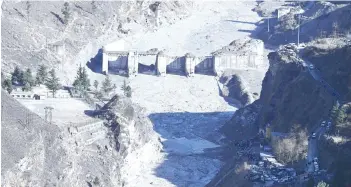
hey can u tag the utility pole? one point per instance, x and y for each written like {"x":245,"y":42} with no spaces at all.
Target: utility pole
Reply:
{"x":48,"y":114}
{"x":268,"y":24}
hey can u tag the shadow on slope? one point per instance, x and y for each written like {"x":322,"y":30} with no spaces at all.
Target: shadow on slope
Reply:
{"x":95,"y":63}
{"x":192,"y":143}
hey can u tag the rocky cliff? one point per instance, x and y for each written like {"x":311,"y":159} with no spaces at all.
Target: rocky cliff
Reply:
{"x":292,"y":94}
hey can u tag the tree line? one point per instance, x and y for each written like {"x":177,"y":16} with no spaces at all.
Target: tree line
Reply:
{"x":81,"y":83}
{"x":27,"y":81}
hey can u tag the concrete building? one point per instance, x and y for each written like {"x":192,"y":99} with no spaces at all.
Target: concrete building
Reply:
{"x":39,"y":93}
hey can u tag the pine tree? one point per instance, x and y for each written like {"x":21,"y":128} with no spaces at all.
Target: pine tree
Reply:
{"x":96,"y":84}
{"x":28,"y":80}
{"x":8,"y":85}
{"x":66,"y":12}
{"x":17,"y":76}
{"x":52,"y":82}
{"x":3,"y":80}
{"x":82,"y":82}
{"x":107,"y":85}
{"x":128,"y":91}
{"x":42,"y":75}
{"x":93,"y":5}
{"x":334,"y":111}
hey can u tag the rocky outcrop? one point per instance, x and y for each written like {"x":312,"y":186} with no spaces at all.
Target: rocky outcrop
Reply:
{"x":235,"y":87}
{"x":35,"y":153}
{"x":130,"y":126}
{"x":291,"y":95}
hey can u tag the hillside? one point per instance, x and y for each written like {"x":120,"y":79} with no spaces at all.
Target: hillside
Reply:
{"x":36,"y":33}
{"x":31,"y":151}
{"x":292,"y":94}
{"x":36,"y":153}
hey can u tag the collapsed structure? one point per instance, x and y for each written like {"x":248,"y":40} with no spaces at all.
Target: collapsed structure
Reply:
{"x":243,"y":54}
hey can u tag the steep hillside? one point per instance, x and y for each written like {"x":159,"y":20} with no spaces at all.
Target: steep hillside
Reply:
{"x":293,"y":94}
{"x":31,"y":150}
{"x":64,"y":36}
{"x":319,"y":19}
{"x":35,"y":153}
{"x":290,"y":93}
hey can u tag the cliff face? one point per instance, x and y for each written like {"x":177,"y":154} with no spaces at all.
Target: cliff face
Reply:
{"x":290,"y":93}
{"x":31,"y":150}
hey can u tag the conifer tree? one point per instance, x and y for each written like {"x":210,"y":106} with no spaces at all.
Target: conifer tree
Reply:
{"x":17,"y":76}
{"x":82,"y":82}
{"x":28,"y":80}
{"x":96,"y":84}
{"x":53,"y":82}
{"x":41,"y":75}
{"x":107,"y":85}
{"x":66,"y":12}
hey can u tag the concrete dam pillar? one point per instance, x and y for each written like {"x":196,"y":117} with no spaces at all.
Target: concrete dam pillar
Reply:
{"x":161,"y":64}
{"x":217,"y":70}
{"x":104,"y":61}
{"x":133,"y":62}
{"x":190,"y":63}
{"x":157,"y":16}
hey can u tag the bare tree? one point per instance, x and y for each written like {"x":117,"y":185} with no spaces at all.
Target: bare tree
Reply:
{"x":293,"y":147}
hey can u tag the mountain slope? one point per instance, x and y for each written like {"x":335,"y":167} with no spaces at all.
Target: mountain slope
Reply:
{"x":36,"y":33}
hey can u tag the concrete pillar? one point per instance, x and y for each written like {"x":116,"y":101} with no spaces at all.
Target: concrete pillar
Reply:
{"x":104,"y":61}
{"x":157,"y":16}
{"x":190,"y":63}
{"x":133,"y":62}
{"x":161,"y":64}
{"x":217,"y":69}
